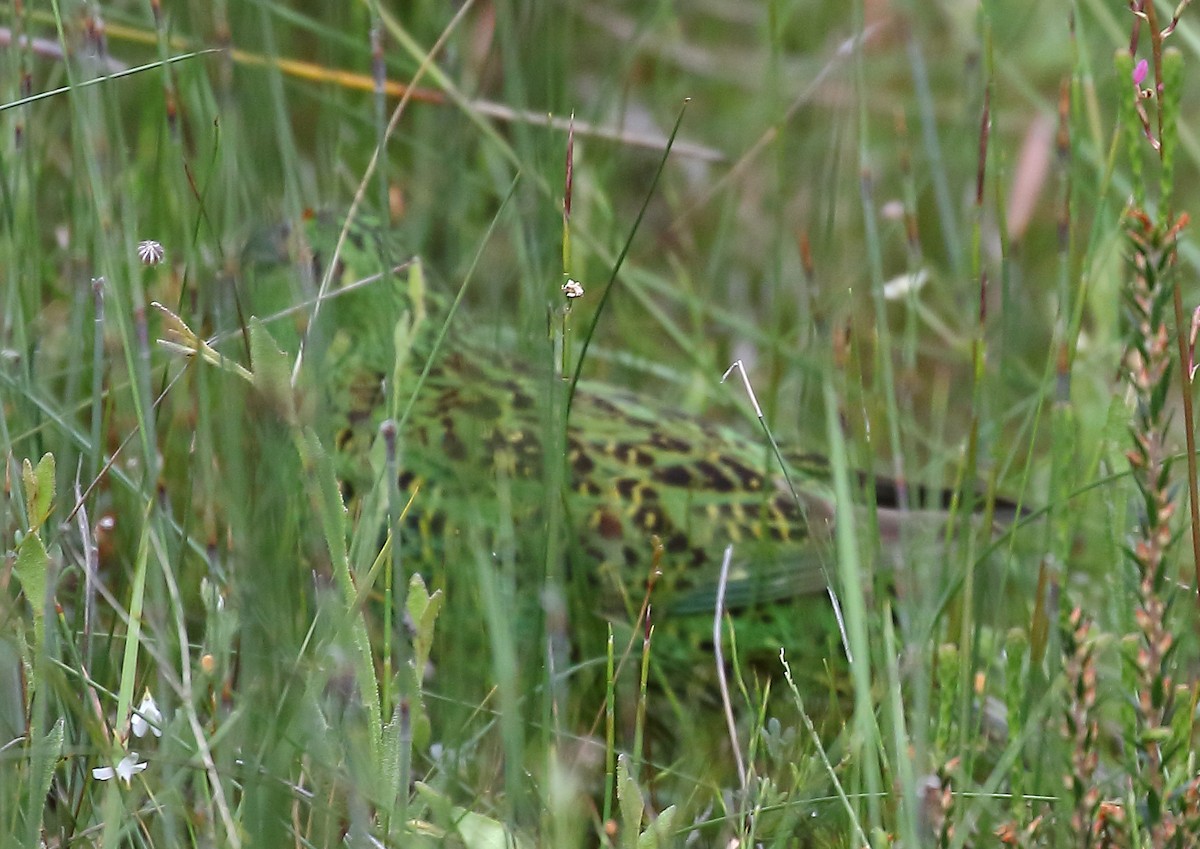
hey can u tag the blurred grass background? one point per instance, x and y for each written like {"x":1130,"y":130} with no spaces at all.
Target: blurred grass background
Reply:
{"x":824,"y":151}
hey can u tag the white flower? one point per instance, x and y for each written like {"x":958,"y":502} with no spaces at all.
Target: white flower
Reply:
{"x":124,"y":770}
{"x":899,"y":287}
{"x":150,"y":252}
{"x":573,"y":289}
{"x":147,"y":717}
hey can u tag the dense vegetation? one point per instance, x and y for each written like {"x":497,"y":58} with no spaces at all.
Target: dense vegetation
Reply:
{"x":331,"y":516}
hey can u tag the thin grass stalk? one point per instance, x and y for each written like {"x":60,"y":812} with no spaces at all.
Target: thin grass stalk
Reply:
{"x":610,"y":726}
{"x":399,"y":703}
{"x":723,"y":684}
{"x":965,"y":497}
{"x":616,"y":267}
{"x":853,"y":579}
{"x":1016,"y":652}
{"x":901,"y":747}
{"x":95,"y":450}
{"x":642,"y":695}
{"x":856,"y":825}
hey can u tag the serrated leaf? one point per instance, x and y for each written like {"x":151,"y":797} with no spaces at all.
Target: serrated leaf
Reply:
{"x":49,"y":750}
{"x":389,"y":766}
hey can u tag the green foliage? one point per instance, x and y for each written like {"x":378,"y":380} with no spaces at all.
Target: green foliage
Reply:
{"x":316,"y":482}
{"x":633,"y":808}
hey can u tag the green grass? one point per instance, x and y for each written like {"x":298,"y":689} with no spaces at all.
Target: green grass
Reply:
{"x":189,"y":539}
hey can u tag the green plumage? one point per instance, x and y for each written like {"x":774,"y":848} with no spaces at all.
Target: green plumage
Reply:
{"x":488,"y":464}
{"x":628,"y":469}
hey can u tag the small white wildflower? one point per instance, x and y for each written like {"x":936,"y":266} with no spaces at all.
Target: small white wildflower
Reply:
{"x":147,"y":717}
{"x":125,"y":769}
{"x":893,"y":210}
{"x":150,"y":252}
{"x":898,"y":287}
{"x":573,"y":289}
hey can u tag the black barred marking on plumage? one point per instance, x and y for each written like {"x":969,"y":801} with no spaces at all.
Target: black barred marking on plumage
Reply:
{"x":696,"y":487}
{"x":707,"y":496}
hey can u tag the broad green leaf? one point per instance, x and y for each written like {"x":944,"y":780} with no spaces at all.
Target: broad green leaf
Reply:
{"x":31,"y":566}
{"x":476,"y":830}
{"x":659,"y":832}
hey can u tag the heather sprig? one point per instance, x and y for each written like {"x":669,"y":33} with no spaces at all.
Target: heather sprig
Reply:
{"x":1153,"y":303}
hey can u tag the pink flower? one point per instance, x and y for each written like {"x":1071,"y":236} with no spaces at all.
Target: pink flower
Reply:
{"x":1139,"y":72}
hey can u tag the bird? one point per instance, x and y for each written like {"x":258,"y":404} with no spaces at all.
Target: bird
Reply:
{"x":648,"y":498}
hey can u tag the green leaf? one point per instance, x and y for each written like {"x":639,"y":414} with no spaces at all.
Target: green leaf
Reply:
{"x":629,"y":798}
{"x":409,"y":326}
{"x":39,"y":490}
{"x":476,"y":830}
{"x":423,"y":609}
{"x":31,"y":568}
{"x":328,"y":499}
{"x":389,"y":764}
{"x":272,"y":373}
{"x":416,"y":292}
{"x":49,"y":750}
{"x":13,"y":688}
{"x":659,"y":832}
